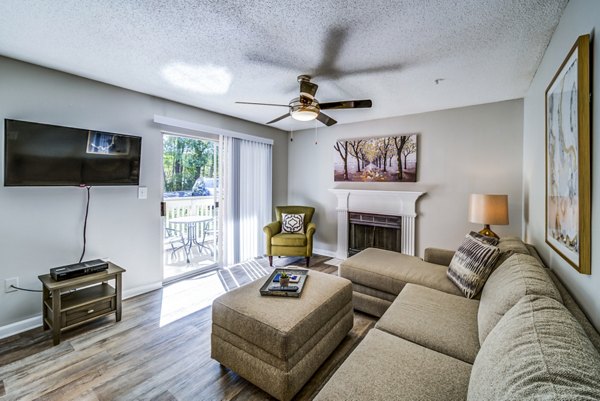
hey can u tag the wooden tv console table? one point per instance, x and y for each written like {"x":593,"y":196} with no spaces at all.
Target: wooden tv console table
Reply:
{"x":76,"y":301}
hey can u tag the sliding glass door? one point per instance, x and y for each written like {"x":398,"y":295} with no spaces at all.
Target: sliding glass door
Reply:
{"x":190,"y":206}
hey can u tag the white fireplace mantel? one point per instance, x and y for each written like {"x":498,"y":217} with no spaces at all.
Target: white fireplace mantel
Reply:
{"x":395,"y":203}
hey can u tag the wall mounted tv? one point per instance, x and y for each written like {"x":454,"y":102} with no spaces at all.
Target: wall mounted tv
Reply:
{"x":49,"y":155}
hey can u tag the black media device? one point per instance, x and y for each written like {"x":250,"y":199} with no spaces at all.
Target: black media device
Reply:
{"x":78,"y":269}
{"x":49,"y":155}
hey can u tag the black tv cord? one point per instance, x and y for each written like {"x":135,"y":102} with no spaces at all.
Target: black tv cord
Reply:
{"x":87,"y":210}
{"x":24,"y":289}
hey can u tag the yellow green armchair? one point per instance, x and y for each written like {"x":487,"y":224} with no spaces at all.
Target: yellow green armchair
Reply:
{"x":286,"y":244}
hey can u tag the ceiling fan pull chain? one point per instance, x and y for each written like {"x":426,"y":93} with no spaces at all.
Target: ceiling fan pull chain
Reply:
{"x":316,"y":129}
{"x":292,"y":135}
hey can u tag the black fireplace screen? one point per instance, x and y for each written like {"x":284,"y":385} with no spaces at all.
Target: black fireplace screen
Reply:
{"x":367,"y":230}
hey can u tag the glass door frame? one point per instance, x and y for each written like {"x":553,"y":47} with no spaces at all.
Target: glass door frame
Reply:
{"x":214,"y":139}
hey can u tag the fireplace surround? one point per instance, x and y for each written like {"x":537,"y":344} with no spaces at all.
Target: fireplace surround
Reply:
{"x":401,"y":204}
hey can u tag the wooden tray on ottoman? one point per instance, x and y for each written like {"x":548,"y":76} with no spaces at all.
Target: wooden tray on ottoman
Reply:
{"x":302,"y":273}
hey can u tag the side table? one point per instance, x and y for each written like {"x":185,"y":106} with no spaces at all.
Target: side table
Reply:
{"x":73,"y":302}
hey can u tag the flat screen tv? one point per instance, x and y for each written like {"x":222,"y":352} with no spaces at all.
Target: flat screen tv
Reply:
{"x":49,"y":155}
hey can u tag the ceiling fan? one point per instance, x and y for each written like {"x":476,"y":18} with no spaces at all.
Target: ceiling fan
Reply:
{"x":306,"y":107}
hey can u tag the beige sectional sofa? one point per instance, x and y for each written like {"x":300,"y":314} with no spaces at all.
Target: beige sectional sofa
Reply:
{"x":525,"y":338}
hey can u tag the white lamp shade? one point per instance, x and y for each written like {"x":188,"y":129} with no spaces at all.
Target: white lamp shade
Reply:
{"x":488,"y":209}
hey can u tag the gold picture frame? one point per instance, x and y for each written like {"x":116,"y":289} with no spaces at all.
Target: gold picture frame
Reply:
{"x":568,"y":159}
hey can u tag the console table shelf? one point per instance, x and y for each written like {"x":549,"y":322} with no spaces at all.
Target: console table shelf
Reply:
{"x":73,"y":302}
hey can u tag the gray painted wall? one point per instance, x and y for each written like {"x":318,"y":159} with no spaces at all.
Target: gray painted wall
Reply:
{"x":41,"y":227}
{"x":580,"y":17}
{"x":460,"y":151}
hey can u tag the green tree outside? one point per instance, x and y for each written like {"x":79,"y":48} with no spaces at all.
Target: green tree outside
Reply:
{"x":185,"y":160}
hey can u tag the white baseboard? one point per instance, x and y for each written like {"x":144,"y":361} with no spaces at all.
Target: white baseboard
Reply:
{"x":134,"y":292}
{"x":324,"y":252}
{"x":20,"y":326}
{"x":36,"y":321}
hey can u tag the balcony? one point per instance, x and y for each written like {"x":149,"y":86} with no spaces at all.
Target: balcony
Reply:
{"x":190,"y":235}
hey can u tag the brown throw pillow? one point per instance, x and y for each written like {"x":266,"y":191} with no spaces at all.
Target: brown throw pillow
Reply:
{"x":472,"y":264}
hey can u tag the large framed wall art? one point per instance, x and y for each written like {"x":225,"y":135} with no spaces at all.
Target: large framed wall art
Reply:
{"x":376,"y":159}
{"x":568,"y":161}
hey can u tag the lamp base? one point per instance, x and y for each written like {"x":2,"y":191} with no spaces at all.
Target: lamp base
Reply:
{"x":488,"y":232}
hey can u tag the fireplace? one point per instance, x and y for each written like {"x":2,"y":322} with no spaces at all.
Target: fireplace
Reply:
{"x":398,"y":207}
{"x":368,"y":230}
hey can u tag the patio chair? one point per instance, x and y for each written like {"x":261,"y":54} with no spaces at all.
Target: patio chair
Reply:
{"x":175,"y":239}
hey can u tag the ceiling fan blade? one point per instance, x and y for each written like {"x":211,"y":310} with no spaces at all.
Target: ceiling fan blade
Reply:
{"x":308,"y":88}
{"x":346,"y":104}
{"x":279,"y":118}
{"x":325,"y":119}
{"x":265,"y":104}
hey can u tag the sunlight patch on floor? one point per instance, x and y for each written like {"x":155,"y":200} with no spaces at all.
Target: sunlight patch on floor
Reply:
{"x":188,"y":296}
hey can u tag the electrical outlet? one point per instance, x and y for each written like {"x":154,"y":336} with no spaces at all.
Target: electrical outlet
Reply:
{"x":11,"y":281}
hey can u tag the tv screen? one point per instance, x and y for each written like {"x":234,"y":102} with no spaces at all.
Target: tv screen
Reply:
{"x":49,"y":155}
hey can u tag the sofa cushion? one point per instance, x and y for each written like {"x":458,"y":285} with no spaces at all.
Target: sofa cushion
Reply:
{"x":574,"y":308}
{"x":518,"y":276}
{"x":438,"y":256}
{"x":284,"y":239}
{"x":386,"y":367}
{"x":389,"y":271}
{"x":369,"y":304}
{"x":537,"y":351}
{"x":509,"y":246}
{"x":472,"y":264}
{"x":442,"y":322}
{"x":512,"y":245}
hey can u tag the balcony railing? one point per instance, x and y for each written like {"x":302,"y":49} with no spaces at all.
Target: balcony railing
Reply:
{"x":190,"y":206}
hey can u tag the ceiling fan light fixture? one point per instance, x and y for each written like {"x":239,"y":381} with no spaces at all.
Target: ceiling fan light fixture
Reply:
{"x":304,"y":111}
{"x":306,"y":114}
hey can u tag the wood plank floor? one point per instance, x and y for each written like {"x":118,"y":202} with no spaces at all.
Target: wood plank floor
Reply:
{"x":159,"y":351}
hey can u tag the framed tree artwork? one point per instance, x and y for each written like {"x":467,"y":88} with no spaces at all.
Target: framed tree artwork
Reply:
{"x":568,"y":162}
{"x":383,"y":159}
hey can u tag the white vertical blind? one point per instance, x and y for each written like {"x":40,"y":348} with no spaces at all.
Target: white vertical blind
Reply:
{"x":246,"y":172}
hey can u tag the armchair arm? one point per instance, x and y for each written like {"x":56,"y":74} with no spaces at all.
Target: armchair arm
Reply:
{"x":438,"y":256}
{"x":310,"y":231}
{"x":270,"y":230}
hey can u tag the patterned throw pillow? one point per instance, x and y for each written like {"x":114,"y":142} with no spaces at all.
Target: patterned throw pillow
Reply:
{"x":292,"y":223}
{"x":472,"y":264}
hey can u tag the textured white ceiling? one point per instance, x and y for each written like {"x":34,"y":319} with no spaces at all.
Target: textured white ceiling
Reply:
{"x":210,"y":53}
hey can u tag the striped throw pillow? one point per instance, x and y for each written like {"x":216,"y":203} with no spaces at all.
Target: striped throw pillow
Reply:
{"x":472,"y":264}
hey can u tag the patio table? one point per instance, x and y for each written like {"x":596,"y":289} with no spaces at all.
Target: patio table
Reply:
{"x":192,"y":237}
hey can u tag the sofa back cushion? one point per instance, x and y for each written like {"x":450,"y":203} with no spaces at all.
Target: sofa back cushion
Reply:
{"x":518,"y":276}
{"x":472,"y":264}
{"x":576,"y":311}
{"x":509,"y":246}
{"x":537,"y":351}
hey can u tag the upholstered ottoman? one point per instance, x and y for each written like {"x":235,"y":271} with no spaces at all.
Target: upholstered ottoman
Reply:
{"x":277,"y":343}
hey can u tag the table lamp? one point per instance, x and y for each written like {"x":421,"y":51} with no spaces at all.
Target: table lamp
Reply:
{"x":488,"y":210}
